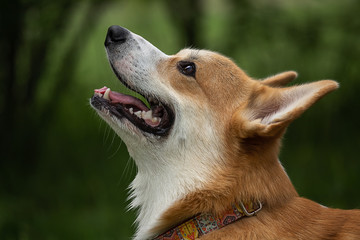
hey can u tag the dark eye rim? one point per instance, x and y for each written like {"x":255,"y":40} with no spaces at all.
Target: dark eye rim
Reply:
{"x":182,"y":65}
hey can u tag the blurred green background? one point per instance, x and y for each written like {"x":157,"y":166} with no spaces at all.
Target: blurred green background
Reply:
{"x":63,"y":172}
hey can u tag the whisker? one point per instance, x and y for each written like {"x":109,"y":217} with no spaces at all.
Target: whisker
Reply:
{"x":106,"y":133}
{"x":117,"y":149}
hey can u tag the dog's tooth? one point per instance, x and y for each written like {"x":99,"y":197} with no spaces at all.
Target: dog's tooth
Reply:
{"x":147,"y":115}
{"x":155,"y":119}
{"x":131,"y":110}
{"x":98,"y":94}
{"x":106,"y":94}
{"x":138,"y":114}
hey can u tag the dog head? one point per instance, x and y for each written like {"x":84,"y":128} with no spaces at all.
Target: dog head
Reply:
{"x":203,"y":112}
{"x":194,"y":93}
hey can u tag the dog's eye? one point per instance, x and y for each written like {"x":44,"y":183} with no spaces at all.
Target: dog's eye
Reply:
{"x":187,"y":68}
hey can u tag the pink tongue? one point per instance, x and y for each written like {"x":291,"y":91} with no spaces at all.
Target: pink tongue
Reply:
{"x":101,"y":90}
{"x":116,"y":97}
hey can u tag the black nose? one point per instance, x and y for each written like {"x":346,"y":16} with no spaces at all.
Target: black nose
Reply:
{"x":116,"y":34}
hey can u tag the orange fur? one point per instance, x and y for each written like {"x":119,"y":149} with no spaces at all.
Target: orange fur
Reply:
{"x":280,"y":79}
{"x":251,"y":169}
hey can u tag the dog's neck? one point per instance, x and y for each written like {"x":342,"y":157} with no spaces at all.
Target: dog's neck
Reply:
{"x":170,"y":188}
{"x":165,"y":177}
{"x":229,"y":186}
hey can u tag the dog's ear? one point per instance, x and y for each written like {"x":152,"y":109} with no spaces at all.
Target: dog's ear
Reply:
{"x":280,"y":80}
{"x":269,"y":111}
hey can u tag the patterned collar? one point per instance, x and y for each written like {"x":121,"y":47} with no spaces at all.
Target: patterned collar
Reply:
{"x":205,"y":223}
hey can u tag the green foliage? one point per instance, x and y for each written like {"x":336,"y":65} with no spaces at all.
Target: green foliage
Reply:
{"x":64,"y":173}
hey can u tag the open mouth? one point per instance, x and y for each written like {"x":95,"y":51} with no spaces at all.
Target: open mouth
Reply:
{"x":156,"y":119}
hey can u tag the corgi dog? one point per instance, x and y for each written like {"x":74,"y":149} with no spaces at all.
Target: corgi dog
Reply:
{"x":206,"y":146}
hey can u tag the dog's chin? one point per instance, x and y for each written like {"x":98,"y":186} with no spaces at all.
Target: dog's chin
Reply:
{"x":131,"y":114}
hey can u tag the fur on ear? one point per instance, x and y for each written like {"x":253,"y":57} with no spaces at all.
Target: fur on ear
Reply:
{"x":270,"y":110}
{"x":280,"y":80}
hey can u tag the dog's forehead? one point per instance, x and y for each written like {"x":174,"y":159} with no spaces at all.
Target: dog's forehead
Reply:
{"x":195,"y":54}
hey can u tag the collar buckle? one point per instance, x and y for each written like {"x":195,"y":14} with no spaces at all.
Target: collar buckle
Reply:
{"x":250,"y":214}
